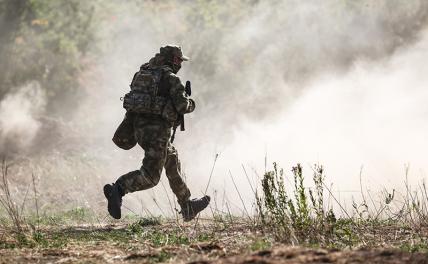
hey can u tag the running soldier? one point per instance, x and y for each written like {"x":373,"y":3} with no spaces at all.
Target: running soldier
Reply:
{"x":155,"y":105}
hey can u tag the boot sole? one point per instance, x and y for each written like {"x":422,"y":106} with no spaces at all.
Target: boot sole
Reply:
{"x":108,"y":189}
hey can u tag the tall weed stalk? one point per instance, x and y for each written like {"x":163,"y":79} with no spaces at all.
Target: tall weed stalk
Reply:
{"x":296,"y":217}
{"x":12,"y":209}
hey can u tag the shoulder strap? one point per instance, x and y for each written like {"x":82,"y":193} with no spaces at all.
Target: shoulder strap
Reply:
{"x":164,"y":84}
{"x":157,"y":76}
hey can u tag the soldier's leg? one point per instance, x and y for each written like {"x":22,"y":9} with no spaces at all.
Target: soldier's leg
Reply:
{"x":189,"y":208}
{"x":153,"y":138}
{"x":174,"y":175}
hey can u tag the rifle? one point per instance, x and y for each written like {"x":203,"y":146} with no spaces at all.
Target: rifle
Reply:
{"x":188,"y":91}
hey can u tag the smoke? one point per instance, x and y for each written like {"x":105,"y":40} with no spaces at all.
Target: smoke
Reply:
{"x":335,"y":82}
{"x":271,"y":55}
{"x":300,"y":81}
{"x":373,"y":117}
{"x":18,"y":117}
{"x":250,"y":60}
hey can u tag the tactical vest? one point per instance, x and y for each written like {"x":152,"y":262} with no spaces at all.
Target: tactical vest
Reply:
{"x":144,"y":97}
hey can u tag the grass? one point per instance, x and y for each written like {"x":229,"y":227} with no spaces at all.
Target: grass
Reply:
{"x":260,"y":244}
{"x":145,"y":230}
{"x":150,"y":240}
{"x":8,"y":203}
{"x":299,"y":215}
{"x":286,"y":214}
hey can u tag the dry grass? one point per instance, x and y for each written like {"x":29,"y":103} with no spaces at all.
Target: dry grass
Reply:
{"x":13,"y":211}
{"x":296,"y":216}
{"x":151,"y":241}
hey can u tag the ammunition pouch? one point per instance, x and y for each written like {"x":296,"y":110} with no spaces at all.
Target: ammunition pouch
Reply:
{"x":141,"y":103}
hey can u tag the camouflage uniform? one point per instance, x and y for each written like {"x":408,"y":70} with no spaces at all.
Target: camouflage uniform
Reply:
{"x":153,"y":133}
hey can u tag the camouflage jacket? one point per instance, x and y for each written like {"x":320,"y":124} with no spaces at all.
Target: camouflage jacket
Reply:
{"x":181,"y":101}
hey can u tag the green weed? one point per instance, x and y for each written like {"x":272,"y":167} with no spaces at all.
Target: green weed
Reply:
{"x":138,"y":226}
{"x":297,"y":214}
{"x":299,"y":217}
{"x":260,"y":244}
{"x":159,"y":238}
{"x":412,"y":247}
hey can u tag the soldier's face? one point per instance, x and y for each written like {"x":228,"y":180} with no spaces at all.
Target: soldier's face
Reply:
{"x":176,"y":65}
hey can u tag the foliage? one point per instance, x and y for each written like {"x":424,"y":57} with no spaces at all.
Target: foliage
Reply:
{"x":299,"y":215}
{"x":260,"y":244}
{"x":302,"y":219}
{"x":140,"y":224}
{"x":45,"y":41}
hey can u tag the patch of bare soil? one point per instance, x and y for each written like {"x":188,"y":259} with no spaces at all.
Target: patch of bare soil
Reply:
{"x":169,"y":243}
{"x":285,"y":254}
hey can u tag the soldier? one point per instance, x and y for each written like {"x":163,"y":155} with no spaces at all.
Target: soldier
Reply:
{"x":156,"y":101}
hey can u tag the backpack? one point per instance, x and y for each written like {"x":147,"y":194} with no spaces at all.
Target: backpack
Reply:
{"x":144,"y":95}
{"x":142,"y":99}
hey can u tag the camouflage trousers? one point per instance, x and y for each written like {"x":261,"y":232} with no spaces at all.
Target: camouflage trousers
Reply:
{"x":153,"y":135}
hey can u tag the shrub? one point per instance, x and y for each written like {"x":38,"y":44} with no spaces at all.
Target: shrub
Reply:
{"x":299,"y":217}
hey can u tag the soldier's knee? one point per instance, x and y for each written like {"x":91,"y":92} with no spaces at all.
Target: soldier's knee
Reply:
{"x":151,"y":175}
{"x":156,"y":179}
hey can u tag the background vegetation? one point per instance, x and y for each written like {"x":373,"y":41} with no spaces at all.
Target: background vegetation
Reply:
{"x":48,"y":42}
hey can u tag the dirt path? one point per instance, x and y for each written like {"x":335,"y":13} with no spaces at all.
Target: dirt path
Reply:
{"x":284,"y":254}
{"x":304,"y":255}
{"x":169,"y":243}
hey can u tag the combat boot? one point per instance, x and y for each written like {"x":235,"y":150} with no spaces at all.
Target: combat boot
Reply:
{"x":191,"y":208}
{"x":114,"y":194}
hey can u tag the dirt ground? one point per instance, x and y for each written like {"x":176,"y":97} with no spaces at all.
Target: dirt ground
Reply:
{"x":287,"y":254}
{"x":172,"y":243}
{"x":98,"y":254}
{"x":207,"y":253}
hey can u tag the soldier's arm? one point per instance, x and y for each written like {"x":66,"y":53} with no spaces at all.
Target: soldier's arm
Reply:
{"x":183,"y":104}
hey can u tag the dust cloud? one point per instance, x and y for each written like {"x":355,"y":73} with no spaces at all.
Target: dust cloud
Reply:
{"x":340,"y":83}
{"x":19,"y":111}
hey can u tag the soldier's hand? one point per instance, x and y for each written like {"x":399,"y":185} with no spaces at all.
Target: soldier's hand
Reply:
{"x":192,"y":105}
